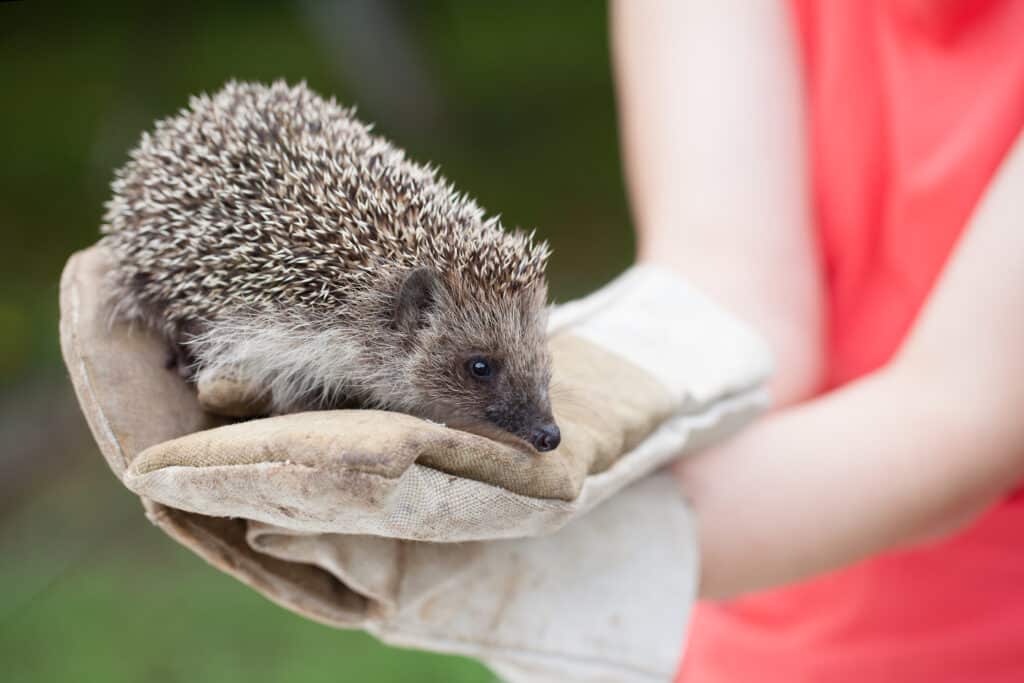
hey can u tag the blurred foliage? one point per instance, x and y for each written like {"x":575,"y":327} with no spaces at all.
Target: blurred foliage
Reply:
{"x":106,"y":598}
{"x":523,"y":119}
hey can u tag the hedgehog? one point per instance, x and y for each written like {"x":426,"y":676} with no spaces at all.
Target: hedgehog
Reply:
{"x":267,"y":233}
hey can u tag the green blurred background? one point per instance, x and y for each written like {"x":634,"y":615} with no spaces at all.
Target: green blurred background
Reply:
{"x":513,"y":100}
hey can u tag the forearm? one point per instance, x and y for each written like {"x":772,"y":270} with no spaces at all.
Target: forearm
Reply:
{"x":713,"y":144}
{"x":885,"y":461}
{"x":906,"y":452}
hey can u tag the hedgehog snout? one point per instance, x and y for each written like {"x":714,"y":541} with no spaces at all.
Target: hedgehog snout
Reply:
{"x":535,"y":426}
{"x":541,"y":431}
{"x":546,"y":437}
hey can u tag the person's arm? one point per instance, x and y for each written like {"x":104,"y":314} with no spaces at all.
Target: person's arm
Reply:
{"x":710,"y":108}
{"x":909,"y":452}
{"x":712,"y":133}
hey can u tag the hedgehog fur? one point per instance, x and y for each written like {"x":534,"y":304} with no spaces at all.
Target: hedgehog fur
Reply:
{"x":265,"y":230}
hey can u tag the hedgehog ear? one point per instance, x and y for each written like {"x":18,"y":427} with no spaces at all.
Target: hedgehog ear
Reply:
{"x":416,"y":296}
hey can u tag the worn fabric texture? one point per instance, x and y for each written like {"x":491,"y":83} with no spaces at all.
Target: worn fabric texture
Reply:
{"x":435,"y":538}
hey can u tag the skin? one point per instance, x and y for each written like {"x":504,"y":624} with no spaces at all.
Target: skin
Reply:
{"x":714,"y":147}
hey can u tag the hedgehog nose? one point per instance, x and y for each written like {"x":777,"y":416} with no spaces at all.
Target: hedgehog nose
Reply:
{"x":546,"y":437}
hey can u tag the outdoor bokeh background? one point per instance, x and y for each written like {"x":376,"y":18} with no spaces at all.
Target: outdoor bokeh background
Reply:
{"x":513,"y":100}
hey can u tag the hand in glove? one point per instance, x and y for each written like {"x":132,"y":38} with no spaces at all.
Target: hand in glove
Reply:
{"x":324,"y":512}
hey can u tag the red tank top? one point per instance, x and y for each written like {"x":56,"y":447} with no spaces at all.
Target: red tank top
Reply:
{"x":912,"y":106}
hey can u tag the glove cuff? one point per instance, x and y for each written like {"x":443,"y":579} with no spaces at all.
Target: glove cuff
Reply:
{"x":656,"y":320}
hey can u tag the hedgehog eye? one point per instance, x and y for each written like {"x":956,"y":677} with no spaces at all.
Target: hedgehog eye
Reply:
{"x":480,"y":368}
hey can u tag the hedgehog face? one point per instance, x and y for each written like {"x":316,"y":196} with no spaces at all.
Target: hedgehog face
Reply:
{"x":479,"y":361}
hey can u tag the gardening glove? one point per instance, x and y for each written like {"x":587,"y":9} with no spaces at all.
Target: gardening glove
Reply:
{"x":317,"y":510}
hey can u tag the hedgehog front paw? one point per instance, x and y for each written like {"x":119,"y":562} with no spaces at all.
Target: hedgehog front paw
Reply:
{"x":227,"y":391}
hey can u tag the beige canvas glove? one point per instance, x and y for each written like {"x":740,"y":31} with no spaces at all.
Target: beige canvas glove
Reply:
{"x":604,"y":599}
{"x":311,"y":509}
